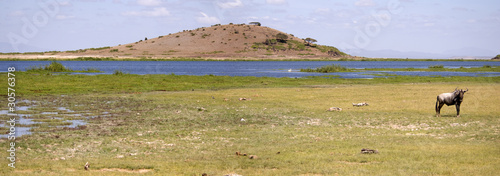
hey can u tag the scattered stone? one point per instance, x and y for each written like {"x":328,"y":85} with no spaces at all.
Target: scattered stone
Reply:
{"x":232,"y":175}
{"x":87,"y":166}
{"x":243,"y":99}
{"x":252,"y":156}
{"x":62,"y":158}
{"x":204,"y":174}
{"x":368,"y":151}
{"x":278,"y":153}
{"x":334,"y":109}
{"x":201,"y":109}
{"x":120,"y":156}
{"x":360,"y":104}
{"x":225,"y":99}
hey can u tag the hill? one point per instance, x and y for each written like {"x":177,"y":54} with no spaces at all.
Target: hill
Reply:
{"x":217,"y":41}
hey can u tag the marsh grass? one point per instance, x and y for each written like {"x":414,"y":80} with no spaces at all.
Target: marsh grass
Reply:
{"x":327,"y":69}
{"x":29,"y":83}
{"x":436,"y":67}
{"x":52,"y":67}
{"x":57,"y":67}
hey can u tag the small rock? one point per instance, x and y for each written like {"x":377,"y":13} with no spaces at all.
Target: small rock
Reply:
{"x":62,"y":158}
{"x":120,"y":156}
{"x":360,"y":104}
{"x":87,"y":166}
{"x":252,"y":156}
{"x":334,"y":109}
{"x":368,"y":151}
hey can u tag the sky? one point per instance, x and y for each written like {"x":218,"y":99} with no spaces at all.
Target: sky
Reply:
{"x":371,"y":28}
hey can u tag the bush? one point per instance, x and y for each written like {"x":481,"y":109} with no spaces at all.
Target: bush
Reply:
{"x":436,"y":66}
{"x":118,"y":72}
{"x":281,"y":37}
{"x":327,"y":69}
{"x":53,"y":67}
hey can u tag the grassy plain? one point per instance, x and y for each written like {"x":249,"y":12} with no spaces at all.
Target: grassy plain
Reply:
{"x":189,"y":125}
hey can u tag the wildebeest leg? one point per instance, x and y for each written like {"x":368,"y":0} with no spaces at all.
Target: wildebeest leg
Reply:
{"x":439,"y":105}
{"x":458,"y":109}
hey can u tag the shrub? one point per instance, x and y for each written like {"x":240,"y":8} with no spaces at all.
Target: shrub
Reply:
{"x":436,"y":66}
{"x":118,"y":72}
{"x":327,"y":69}
{"x":53,"y":67}
{"x":113,"y":50}
{"x":281,"y":37}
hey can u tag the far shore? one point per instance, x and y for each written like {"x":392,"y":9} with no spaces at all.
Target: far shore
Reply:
{"x":41,"y":57}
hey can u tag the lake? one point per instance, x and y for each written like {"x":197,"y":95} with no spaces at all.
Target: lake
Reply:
{"x":258,"y":68}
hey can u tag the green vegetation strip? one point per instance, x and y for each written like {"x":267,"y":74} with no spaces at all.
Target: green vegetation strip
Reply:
{"x":338,"y":68}
{"x":33,"y":83}
{"x":56,"y":67}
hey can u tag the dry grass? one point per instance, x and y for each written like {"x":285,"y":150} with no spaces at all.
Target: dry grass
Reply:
{"x":195,"y":132}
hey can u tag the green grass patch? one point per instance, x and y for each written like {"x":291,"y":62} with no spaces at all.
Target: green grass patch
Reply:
{"x":327,"y":69}
{"x":52,"y":67}
{"x":57,"y":67}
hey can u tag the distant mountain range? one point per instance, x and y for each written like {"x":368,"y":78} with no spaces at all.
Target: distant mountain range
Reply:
{"x":464,"y":53}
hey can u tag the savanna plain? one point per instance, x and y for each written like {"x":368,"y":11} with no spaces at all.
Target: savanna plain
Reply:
{"x":190,"y":125}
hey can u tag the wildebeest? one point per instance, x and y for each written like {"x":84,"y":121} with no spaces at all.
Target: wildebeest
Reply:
{"x":454,"y":98}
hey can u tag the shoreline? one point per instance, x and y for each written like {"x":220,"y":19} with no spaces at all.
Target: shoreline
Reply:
{"x":29,"y":57}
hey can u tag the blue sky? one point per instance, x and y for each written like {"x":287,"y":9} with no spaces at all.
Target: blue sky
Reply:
{"x":444,"y":28}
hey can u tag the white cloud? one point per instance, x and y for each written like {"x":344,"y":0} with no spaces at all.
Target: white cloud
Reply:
{"x":471,"y":21}
{"x":230,"y":4}
{"x":429,"y":24}
{"x":322,"y":10}
{"x":149,"y":2}
{"x":276,"y":1}
{"x":207,"y":19}
{"x":64,"y":17}
{"x":364,"y":3}
{"x":64,"y":3}
{"x":17,"y":13}
{"x":156,"y":12}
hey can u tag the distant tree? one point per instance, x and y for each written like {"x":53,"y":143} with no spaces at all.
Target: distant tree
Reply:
{"x":310,"y":41}
{"x":281,"y":37}
{"x":270,"y":41}
{"x":145,"y":39}
{"x":255,"y":23}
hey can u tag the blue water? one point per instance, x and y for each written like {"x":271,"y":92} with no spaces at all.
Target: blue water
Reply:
{"x":257,"y":68}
